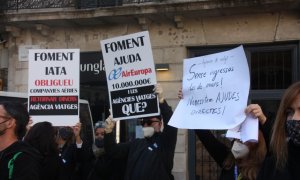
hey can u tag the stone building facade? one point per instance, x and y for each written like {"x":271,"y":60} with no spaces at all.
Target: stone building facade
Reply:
{"x":177,"y":29}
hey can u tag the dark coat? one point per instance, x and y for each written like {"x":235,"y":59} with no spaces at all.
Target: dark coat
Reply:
{"x":27,"y":166}
{"x":149,"y":158}
{"x":219,"y":151}
{"x":50,"y":167}
{"x":107,"y":168}
{"x":290,"y":172}
{"x":76,"y":163}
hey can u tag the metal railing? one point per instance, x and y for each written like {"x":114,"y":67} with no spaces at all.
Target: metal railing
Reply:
{"x":36,"y":4}
{"x":80,"y":4}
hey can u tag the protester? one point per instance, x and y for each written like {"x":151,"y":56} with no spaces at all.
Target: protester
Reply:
{"x":42,"y":136}
{"x":152,"y":157}
{"x":76,"y":155}
{"x":18,"y":160}
{"x":98,"y":147}
{"x":105,"y":167}
{"x":284,"y":160}
{"x":242,"y":160}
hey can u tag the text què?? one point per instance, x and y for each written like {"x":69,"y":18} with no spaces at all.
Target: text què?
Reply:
{"x":134,"y":108}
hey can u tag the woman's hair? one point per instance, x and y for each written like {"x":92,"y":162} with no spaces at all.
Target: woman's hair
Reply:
{"x":42,"y":136}
{"x":250,"y":165}
{"x":66,"y":133}
{"x":278,"y":143}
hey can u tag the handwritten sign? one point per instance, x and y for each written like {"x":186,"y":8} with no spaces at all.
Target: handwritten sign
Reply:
{"x":53,"y":86}
{"x":130,"y":76}
{"x":215,"y":91}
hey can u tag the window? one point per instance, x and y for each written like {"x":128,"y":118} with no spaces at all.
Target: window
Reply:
{"x":272,"y":67}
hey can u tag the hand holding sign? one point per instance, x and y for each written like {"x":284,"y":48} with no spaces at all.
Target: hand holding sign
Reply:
{"x":109,"y":124}
{"x":159,"y":91}
{"x":248,"y":130}
{"x":256,"y":111}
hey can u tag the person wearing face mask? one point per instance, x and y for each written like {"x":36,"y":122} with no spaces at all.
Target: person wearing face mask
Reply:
{"x":283,"y":162}
{"x":151,"y":157}
{"x":104,"y":167}
{"x":98,"y":147}
{"x":75,"y":154}
{"x":18,"y":160}
{"x":241,"y":161}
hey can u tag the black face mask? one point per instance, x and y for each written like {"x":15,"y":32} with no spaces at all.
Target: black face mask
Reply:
{"x":99,"y":143}
{"x":293,"y":131}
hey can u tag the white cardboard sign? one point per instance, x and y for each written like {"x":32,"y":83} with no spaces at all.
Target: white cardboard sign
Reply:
{"x":215,"y":91}
{"x":130,"y":75}
{"x":53,"y":86}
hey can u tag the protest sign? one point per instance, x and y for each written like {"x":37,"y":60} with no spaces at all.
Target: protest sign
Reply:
{"x":130,"y":76}
{"x":215,"y":91}
{"x":53,"y":86}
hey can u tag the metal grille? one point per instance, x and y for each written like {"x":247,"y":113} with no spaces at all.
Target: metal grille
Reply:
{"x":206,"y":167}
{"x":81,"y":4}
{"x":271,"y":69}
{"x":37,"y":4}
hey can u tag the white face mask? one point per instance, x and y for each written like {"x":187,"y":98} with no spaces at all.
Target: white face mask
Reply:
{"x":148,"y":131}
{"x":239,"y":150}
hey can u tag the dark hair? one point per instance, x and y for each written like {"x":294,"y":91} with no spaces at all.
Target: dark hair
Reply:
{"x":66,"y":133}
{"x":278,"y":143}
{"x":250,"y":166}
{"x":148,"y":118}
{"x":42,"y":136}
{"x":18,"y":112}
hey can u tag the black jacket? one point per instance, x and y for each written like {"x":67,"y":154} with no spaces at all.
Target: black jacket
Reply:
{"x":150,"y":158}
{"x":290,"y":172}
{"x":27,"y":166}
{"x":51,"y":167}
{"x":107,"y":168}
{"x":219,"y":151}
{"x":75,"y":163}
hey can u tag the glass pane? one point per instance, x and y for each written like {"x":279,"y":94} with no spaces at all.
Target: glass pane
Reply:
{"x":130,"y":129}
{"x":98,"y":99}
{"x":86,"y":123}
{"x":271,"y":69}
